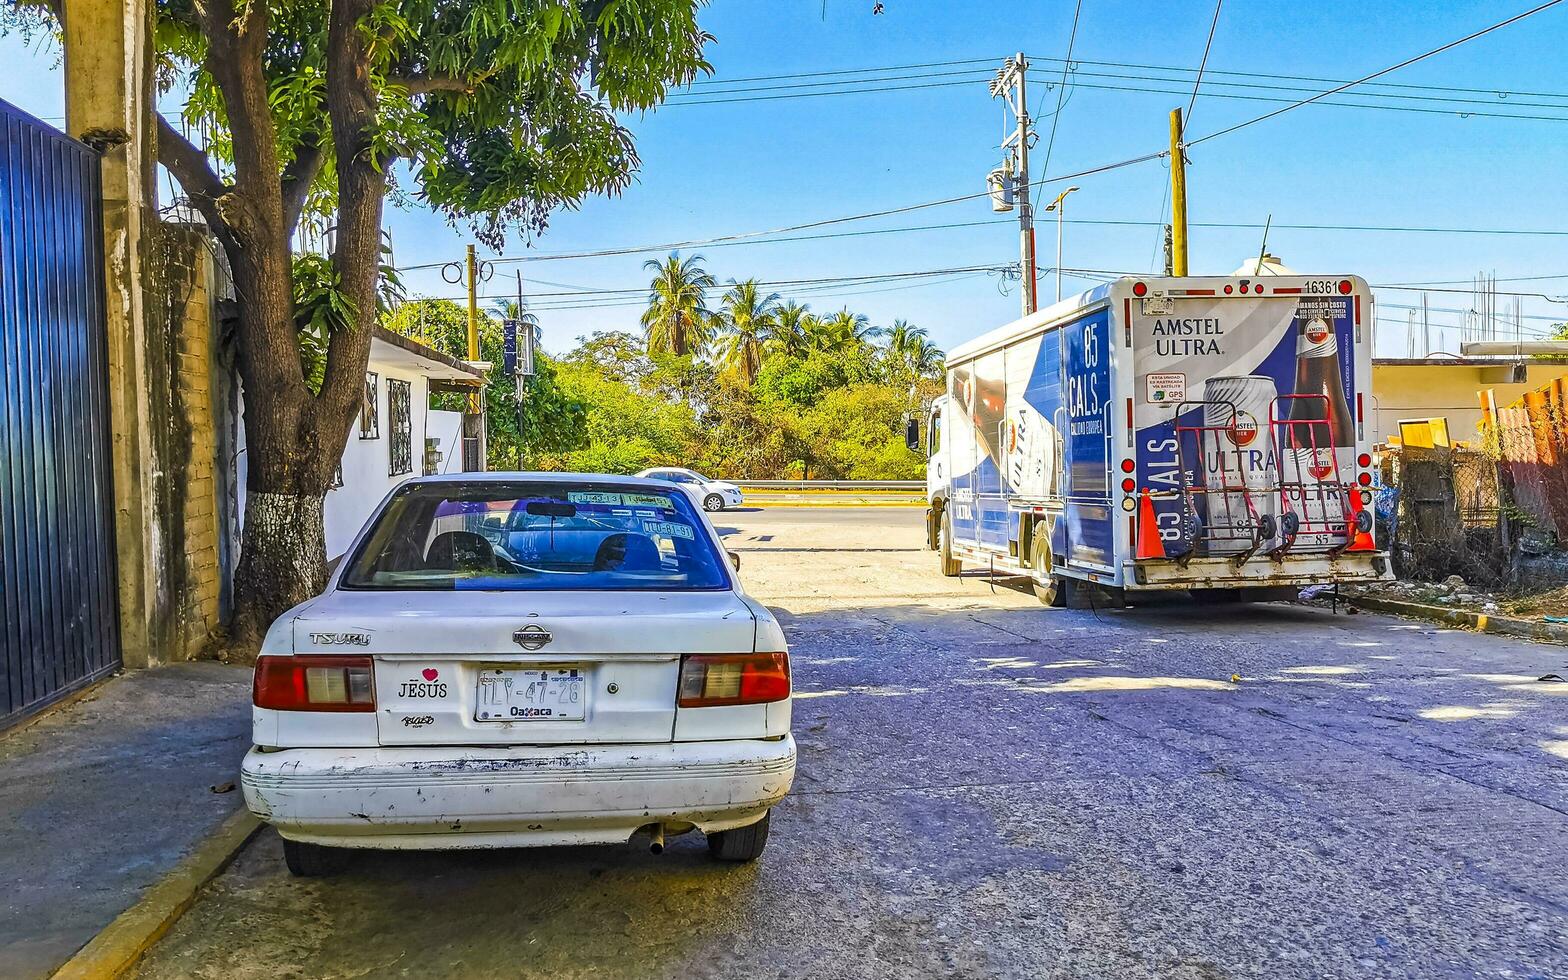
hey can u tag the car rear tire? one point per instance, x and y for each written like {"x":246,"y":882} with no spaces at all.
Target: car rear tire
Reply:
{"x":742,"y":843}
{"x":313,"y":860}
{"x":951,"y":567}
{"x":712,"y":502}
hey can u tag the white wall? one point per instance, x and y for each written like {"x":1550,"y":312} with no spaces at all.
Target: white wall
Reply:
{"x":366,"y":462}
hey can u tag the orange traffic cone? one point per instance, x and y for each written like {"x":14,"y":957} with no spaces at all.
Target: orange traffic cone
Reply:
{"x":1360,"y":540}
{"x":1150,"y":544}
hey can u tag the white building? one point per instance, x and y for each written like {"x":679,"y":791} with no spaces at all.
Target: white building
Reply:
{"x":397,"y":434}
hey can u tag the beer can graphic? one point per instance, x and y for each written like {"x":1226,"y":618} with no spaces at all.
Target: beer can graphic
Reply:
{"x":1240,"y":471}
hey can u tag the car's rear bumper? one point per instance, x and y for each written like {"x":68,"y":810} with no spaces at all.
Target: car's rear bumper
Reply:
{"x":459,"y":797}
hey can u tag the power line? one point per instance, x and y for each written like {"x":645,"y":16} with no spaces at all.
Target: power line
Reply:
{"x":1202,"y":63}
{"x":1106,"y":222}
{"x":1061,"y":88}
{"x":1378,"y":74}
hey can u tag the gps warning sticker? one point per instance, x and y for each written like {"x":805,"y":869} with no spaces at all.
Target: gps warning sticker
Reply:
{"x":669,"y":529}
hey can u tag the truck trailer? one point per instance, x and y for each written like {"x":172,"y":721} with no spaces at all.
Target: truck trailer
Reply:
{"x":1198,"y":433}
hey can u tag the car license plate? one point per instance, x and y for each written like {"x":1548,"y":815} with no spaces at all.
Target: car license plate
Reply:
{"x":530,"y":694}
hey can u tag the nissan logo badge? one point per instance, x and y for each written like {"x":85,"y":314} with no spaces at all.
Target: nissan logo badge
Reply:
{"x":531,"y":637}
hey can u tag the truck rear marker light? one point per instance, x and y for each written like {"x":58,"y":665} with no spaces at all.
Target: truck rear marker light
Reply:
{"x":1345,"y":287}
{"x":1229,"y":289}
{"x":1258,"y":288}
{"x":1128,"y":466}
{"x":324,"y":683}
{"x":1140,"y":289}
{"x":1364,"y":460}
{"x":1129,"y":485}
{"x":1365,"y":479}
{"x":1287,"y":291}
{"x":711,"y":680}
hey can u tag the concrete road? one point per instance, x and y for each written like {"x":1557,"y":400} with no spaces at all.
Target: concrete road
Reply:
{"x":989,"y":788}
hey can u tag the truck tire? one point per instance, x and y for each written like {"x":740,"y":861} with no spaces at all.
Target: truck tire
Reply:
{"x":951,"y":567}
{"x":1049,"y":589}
{"x":933,"y":529}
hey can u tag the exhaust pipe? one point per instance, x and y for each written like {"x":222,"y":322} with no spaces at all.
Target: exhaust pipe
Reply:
{"x":656,"y":839}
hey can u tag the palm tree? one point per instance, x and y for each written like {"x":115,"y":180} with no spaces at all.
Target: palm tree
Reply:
{"x":909,"y":348}
{"x":901,"y":335}
{"x":677,"y":320}
{"x":746,"y":320}
{"x":924,"y":359}
{"x":791,"y":325}
{"x":842,"y":331}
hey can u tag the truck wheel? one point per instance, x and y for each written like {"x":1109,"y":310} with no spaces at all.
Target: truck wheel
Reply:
{"x":313,"y":860}
{"x":951,"y":567}
{"x":1049,"y":589}
{"x":933,"y":530}
{"x":742,"y":843}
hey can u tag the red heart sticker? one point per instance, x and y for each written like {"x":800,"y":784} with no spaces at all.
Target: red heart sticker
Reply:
{"x":431,"y":673}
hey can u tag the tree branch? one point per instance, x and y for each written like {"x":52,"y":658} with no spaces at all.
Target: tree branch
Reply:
{"x":298,"y":177}
{"x":424,"y":84}
{"x":190,"y":167}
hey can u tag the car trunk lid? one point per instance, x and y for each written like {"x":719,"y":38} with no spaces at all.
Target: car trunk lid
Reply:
{"x":497,"y":668}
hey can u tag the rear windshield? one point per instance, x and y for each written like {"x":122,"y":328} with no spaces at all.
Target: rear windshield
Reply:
{"x":536,"y":536}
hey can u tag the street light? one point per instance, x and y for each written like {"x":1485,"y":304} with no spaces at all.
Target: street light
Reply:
{"x":1058,"y":207}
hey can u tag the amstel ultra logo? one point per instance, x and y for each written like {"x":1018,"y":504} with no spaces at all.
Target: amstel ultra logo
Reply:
{"x":1244,"y":430}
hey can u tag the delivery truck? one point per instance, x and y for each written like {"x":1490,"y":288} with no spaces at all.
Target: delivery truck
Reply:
{"x":1199,"y":433}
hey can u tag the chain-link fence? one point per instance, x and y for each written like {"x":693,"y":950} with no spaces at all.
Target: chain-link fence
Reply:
{"x":1446,"y":518}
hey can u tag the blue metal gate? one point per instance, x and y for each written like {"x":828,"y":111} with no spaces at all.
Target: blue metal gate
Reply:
{"x":60,"y":629}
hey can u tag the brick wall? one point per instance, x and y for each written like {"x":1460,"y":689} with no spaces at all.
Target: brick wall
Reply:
{"x":187,"y":485}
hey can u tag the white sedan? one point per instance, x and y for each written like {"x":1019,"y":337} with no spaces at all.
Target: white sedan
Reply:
{"x":521,"y":660}
{"x":710,"y":495}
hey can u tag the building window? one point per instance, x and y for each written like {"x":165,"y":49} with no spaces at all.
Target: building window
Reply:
{"x":399,"y":416}
{"x":369,"y":418}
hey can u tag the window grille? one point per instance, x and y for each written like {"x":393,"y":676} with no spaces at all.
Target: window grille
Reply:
{"x":369,"y":419}
{"x":399,"y":415}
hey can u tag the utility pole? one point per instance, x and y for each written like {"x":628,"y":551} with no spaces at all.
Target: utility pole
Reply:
{"x":1178,"y":198}
{"x":472,"y":269}
{"x":1011,"y":82}
{"x":519,"y":379}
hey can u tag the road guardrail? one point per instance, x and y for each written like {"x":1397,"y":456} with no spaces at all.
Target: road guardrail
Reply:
{"x":905,"y":485}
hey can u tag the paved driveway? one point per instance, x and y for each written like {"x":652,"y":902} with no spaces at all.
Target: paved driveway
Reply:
{"x":989,"y":788}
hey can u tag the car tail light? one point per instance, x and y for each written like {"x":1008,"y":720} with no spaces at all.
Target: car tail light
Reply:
{"x":314,"y":684}
{"x":712,"y":679}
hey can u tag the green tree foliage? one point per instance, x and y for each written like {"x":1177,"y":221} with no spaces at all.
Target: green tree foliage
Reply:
{"x":501,"y":111}
{"x":786,"y":395}
{"x":547,"y":421}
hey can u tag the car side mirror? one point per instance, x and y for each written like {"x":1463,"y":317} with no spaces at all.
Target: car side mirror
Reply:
{"x":912,"y":434}
{"x":734,"y":559}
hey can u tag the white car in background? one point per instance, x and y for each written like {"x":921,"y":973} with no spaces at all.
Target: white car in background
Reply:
{"x":521,"y":660}
{"x":710,"y":495}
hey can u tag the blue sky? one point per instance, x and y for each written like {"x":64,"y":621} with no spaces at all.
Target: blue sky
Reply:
{"x":723,"y":168}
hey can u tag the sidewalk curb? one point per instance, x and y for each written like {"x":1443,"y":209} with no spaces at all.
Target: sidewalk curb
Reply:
{"x":1480,"y":622}
{"x":122,"y":943}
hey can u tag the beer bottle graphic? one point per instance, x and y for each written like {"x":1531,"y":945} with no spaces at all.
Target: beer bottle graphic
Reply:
{"x":1320,"y":425}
